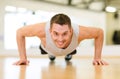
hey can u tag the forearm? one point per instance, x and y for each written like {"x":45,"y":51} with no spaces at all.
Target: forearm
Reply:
{"x":98,"y":45}
{"x":98,"y":50}
{"x":21,"y":46}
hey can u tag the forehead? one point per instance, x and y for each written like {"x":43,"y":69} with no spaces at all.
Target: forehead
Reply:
{"x":58,"y":27}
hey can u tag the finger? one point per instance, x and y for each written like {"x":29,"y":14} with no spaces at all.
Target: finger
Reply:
{"x":20,"y":63}
{"x":15,"y":63}
{"x":94,"y":63}
{"x":24,"y":63}
{"x":99,"y":62}
{"x":27,"y":63}
{"x":104,"y":63}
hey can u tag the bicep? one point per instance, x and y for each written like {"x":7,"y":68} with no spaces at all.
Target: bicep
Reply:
{"x":87,"y":32}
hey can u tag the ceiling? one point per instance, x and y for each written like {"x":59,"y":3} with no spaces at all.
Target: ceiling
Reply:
{"x":114,"y":3}
{"x":96,"y":5}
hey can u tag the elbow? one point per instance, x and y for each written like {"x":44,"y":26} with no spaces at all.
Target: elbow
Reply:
{"x":19,"y":33}
{"x":100,"y":33}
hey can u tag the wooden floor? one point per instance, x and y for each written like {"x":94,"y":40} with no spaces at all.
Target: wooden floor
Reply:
{"x":42,"y":68}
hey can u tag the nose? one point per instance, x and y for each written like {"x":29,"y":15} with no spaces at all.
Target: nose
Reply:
{"x":60,"y":38}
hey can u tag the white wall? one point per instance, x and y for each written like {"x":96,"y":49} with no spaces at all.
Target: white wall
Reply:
{"x":1,"y":23}
{"x":84,"y":17}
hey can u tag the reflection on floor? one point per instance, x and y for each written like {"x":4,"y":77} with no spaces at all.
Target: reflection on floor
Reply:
{"x":42,"y":68}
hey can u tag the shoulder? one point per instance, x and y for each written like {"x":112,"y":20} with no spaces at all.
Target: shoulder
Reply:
{"x":40,"y":29}
{"x":75,"y":28}
{"x":88,"y":32}
{"x":37,"y":29}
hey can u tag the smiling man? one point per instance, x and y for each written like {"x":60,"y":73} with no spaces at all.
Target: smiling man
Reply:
{"x":59,"y":37}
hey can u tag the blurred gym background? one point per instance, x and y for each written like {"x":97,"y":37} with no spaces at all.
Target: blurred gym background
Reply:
{"x":96,"y":13}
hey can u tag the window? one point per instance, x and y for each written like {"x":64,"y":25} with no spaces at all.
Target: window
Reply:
{"x":17,"y":17}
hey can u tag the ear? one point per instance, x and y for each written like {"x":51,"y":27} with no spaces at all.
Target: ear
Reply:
{"x":71,"y":30}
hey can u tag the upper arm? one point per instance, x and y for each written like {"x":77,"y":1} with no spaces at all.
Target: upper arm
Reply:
{"x":32,"y":30}
{"x":88,"y":32}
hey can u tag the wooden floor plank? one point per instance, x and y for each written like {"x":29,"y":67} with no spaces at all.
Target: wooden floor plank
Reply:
{"x":42,"y":68}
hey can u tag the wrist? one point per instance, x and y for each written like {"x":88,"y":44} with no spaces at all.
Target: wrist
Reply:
{"x":97,"y":58}
{"x":23,"y":59}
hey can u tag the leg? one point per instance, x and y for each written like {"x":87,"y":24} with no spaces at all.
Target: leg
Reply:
{"x":69,"y":56}
{"x":42,"y":50}
{"x":52,"y":58}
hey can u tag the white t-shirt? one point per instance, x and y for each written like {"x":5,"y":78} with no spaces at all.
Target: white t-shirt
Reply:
{"x":52,"y":49}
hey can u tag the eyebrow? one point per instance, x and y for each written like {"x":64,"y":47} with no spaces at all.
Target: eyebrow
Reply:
{"x":58,"y":32}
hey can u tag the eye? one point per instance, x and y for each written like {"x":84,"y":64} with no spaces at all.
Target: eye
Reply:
{"x":64,"y":33}
{"x":55,"y":33}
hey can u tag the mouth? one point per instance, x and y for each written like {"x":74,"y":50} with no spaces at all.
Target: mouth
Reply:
{"x":60,"y":43}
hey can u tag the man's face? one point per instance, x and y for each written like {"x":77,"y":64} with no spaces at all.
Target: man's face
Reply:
{"x":61,"y":35}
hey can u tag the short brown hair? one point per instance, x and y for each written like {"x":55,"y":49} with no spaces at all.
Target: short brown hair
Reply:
{"x":60,"y":19}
